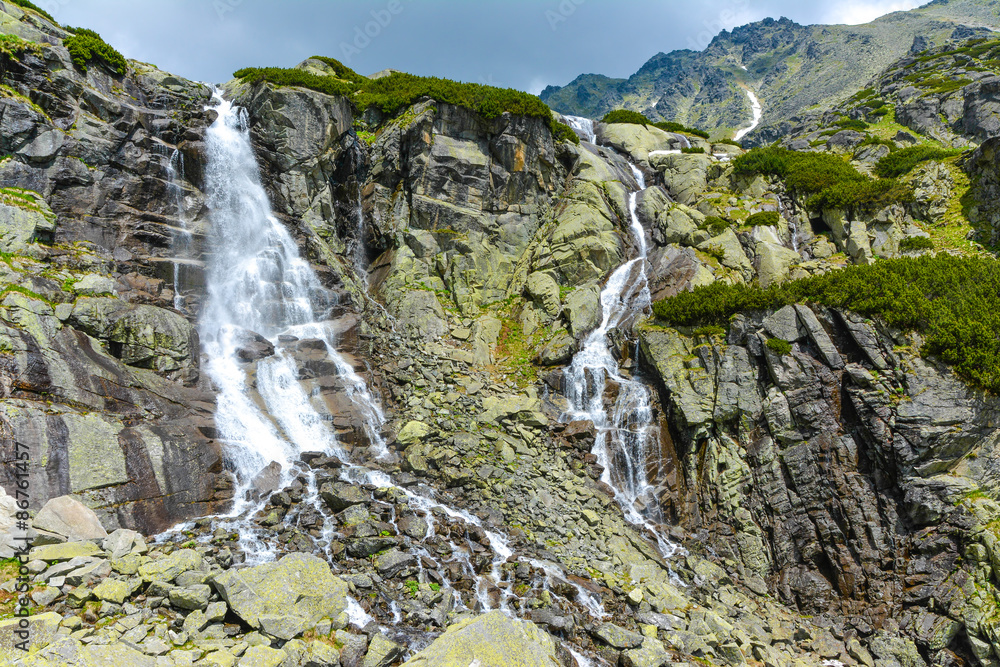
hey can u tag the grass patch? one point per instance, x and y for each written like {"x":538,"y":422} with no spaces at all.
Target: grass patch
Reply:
{"x":86,"y":47}
{"x":950,"y":300}
{"x":13,"y":46}
{"x":698,"y":150}
{"x":714,"y":225}
{"x":904,"y":160}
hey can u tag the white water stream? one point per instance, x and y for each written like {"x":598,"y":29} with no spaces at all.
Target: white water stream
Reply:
{"x":584,"y":126}
{"x":623,"y":434}
{"x":258,"y":285}
{"x":758,"y":112}
{"x":181,"y":245}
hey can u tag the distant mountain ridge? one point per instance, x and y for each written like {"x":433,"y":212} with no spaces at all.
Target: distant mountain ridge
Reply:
{"x":792,"y":68}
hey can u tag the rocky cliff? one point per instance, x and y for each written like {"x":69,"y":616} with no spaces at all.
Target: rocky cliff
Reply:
{"x":829,"y":502}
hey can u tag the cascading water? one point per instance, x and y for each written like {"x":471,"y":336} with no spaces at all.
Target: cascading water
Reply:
{"x":182,"y":239}
{"x":584,"y":126}
{"x":259,"y":286}
{"x":623,"y":434}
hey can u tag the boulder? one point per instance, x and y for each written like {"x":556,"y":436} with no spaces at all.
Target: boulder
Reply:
{"x":171,"y":566}
{"x":64,"y":552}
{"x":544,"y":291}
{"x":490,"y":640}
{"x":583,"y":311}
{"x":21,"y":226}
{"x":69,"y":518}
{"x":339,"y":495}
{"x":292,"y":594}
{"x":774,"y":262}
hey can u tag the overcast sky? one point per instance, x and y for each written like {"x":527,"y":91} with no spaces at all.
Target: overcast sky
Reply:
{"x":524,"y":44}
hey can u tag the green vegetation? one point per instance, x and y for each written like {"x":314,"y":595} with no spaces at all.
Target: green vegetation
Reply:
{"x":730,"y":142}
{"x":636,"y":118}
{"x":863,"y":195}
{"x":399,"y":90}
{"x":86,"y":46}
{"x":905,"y":160}
{"x":949,"y":300}
{"x":32,"y":6}
{"x":694,"y":149}
{"x":563,"y":132}
{"x":13,"y":46}
{"x":828,"y":180}
{"x":710,"y":331}
{"x":626,"y":116}
{"x":779,"y":346}
{"x":851,"y":124}
{"x":26,"y":199}
{"x":412,"y":586}
{"x":764,"y":219}
{"x":714,"y":225}
{"x":915,"y":243}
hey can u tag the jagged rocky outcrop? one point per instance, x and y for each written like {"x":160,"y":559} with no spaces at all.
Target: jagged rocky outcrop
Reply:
{"x":843,"y":476}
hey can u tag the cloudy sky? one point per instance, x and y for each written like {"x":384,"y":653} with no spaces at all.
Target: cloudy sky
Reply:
{"x":524,"y":44}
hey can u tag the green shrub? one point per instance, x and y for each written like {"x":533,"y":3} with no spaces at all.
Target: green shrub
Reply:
{"x":399,"y":90}
{"x":670,"y":126}
{"x":779,"y":346}
{"x":626,"y":116}
{"x":694,"y":149}
{"x":763,"y":219}
{"x":804,"y":173}
{"x":636,"y":118}
{"x":915,"y":243}
{"x":280,"y":76}
{"x":714,"y":225}
{"x":731,"y":142}
{"x":86,"y":46}
{"x":861,"y":195}
{"x":563,"y":132}
{"x":710,"y":331}
{"x":905,"y":160}
{"x":950,"y":300}
{"x":30,"y":5}
{"x":852,"y":124}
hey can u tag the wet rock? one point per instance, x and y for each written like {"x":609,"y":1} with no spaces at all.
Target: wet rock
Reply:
{"x":395,"y":563}
{"x":339,"y":496}
{"x":252,"y":346}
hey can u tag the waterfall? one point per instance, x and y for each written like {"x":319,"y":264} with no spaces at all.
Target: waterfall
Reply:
{"x":259,"y":286}
{"x":683,"y":139}
{"x":622,"y":435}
{"x":181,"y":244}
{"x":758,"y":112}
{"x":584,"y":126}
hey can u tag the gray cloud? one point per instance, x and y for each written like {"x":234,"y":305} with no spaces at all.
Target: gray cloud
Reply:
{"x":518,"y":43}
